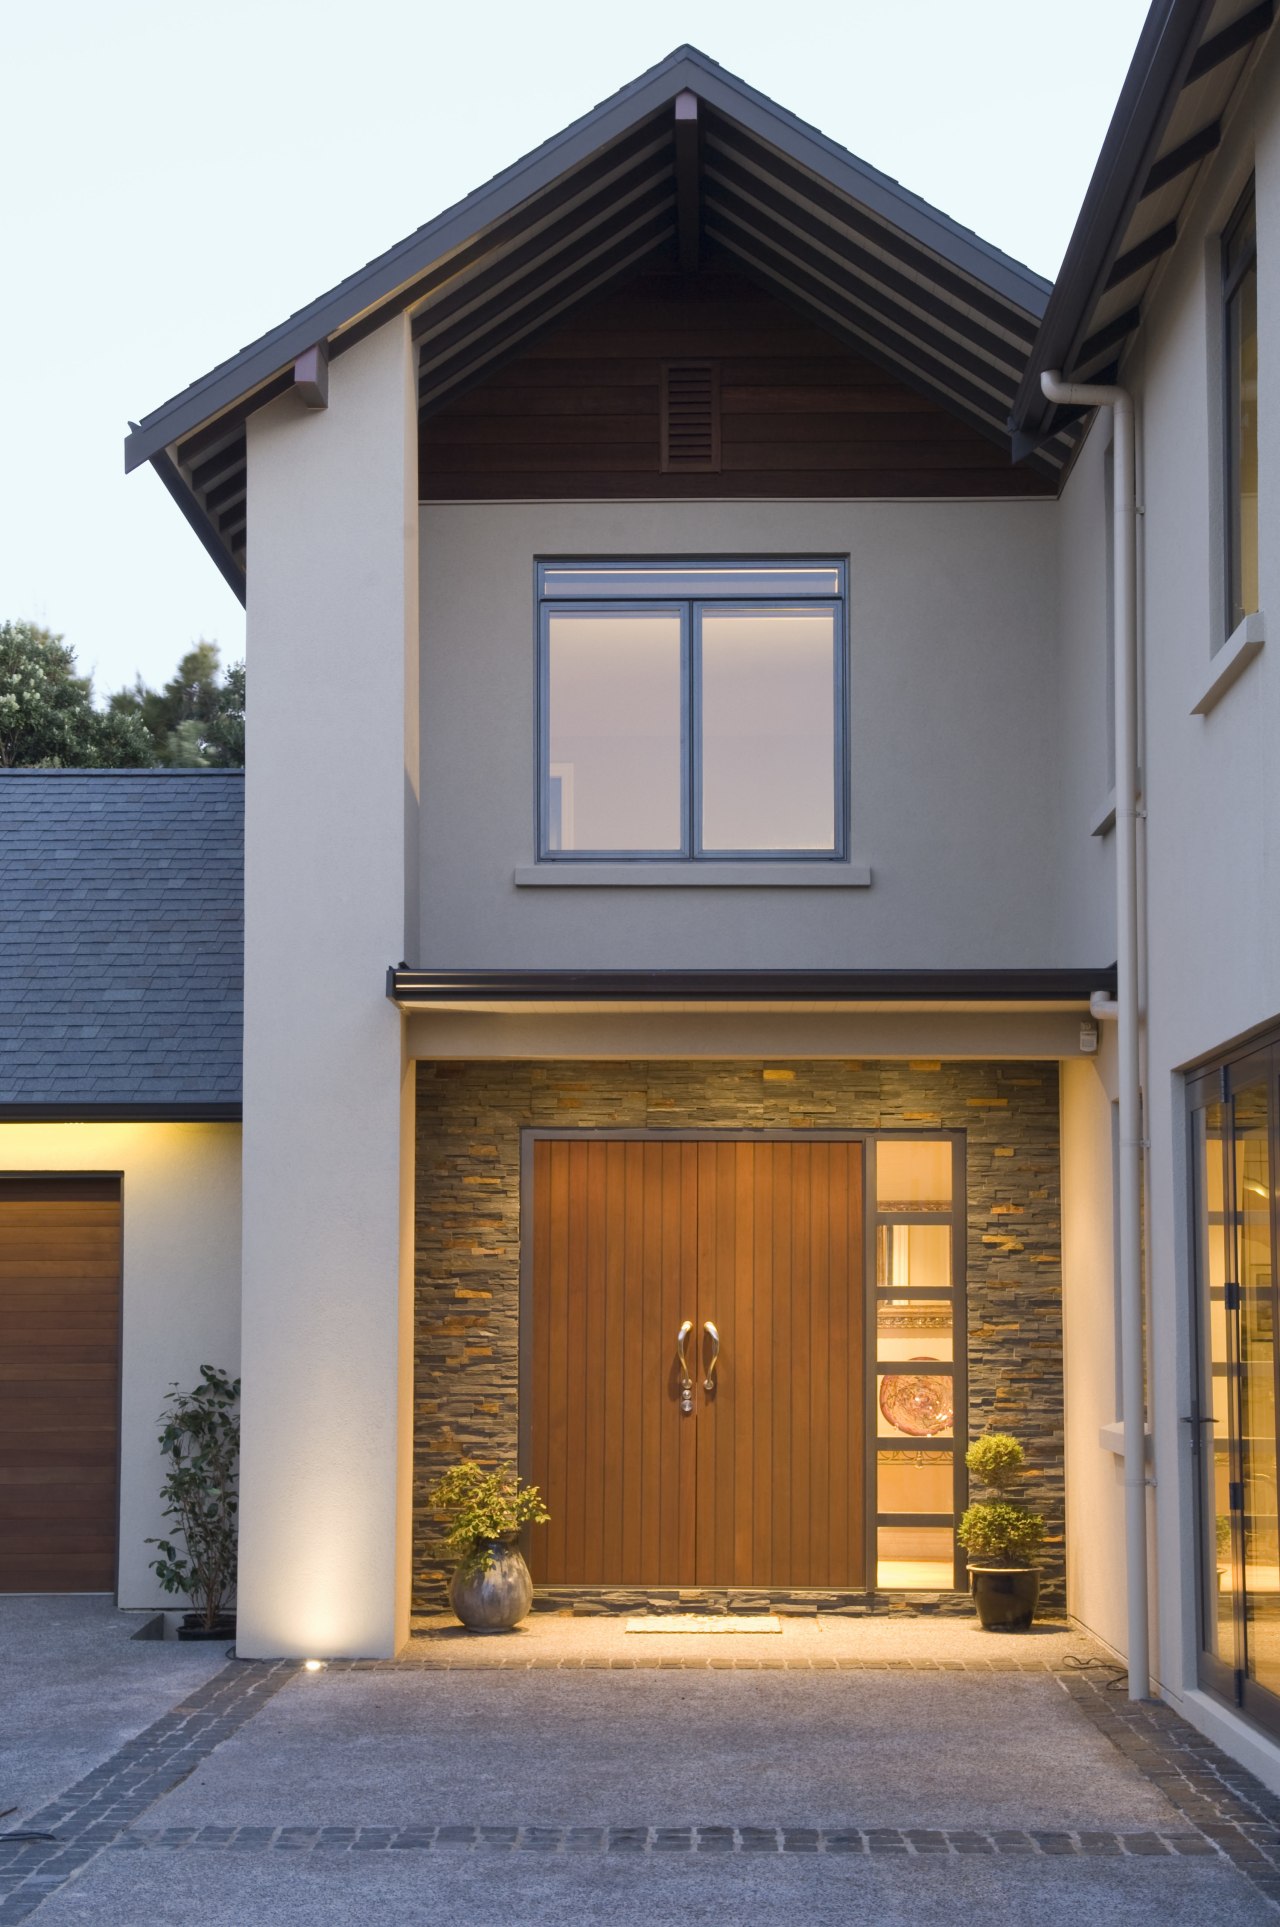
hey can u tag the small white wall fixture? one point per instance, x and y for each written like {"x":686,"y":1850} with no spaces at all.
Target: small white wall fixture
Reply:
{"x":330,"y":827}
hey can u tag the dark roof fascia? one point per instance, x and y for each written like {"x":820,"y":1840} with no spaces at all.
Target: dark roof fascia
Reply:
{"x":1166,"y":48}
{"x":380,"y":280}
{"x":410,"y":988}
{"x":167,"y":469}
{"x":105,"y":1112}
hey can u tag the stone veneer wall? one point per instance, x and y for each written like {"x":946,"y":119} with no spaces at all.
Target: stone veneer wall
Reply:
{"x":467,"y":1260}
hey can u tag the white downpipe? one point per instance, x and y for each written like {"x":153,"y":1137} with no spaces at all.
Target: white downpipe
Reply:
{"x":1120,"y":402}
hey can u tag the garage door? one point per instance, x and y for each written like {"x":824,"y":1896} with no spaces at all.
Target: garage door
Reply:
{"x":59,"y":1383}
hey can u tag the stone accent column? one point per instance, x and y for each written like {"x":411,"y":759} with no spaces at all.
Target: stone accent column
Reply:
{"x":328,"y":1125}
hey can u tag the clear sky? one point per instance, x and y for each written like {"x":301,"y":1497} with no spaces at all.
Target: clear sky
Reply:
{"x":180,"y":177}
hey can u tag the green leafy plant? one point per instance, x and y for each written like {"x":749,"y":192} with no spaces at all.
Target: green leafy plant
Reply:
{"x":200,"y":1438}
{"x":998,"y":1531}
{"x":1222,"y":1528}
{"x":484,"y":1509}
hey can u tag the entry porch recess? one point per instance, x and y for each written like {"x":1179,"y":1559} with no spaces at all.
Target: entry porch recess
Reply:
{"x":698,"y":1362}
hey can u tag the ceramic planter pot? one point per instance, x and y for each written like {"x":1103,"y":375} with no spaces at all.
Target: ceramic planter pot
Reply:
{"x":1005,"y":1596}
{"x":193,"y":1627}
{"x":494,"y":1597}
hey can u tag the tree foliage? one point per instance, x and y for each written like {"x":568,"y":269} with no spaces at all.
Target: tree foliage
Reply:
{"x":48,"y":719}
{"x":197,"y":720}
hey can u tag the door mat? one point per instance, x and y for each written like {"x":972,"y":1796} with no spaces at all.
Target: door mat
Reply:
{"x":704,"y":1623}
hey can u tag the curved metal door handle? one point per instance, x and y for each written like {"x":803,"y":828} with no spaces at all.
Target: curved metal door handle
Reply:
{"x":709,"y":1382}
{"x":682,"y":1357}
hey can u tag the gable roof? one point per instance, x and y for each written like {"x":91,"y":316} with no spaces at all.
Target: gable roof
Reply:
{"x":874,"y":263}
{"x":122,"y":942}
{"x":1191,"y":58}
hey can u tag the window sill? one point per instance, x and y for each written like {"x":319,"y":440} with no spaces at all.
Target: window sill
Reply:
{"x":693,"y":876}
{"x":1234,"y":657}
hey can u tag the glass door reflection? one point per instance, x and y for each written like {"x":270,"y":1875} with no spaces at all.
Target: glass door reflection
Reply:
{"x":1234,"y":1152}
{"x":1257,"y":1378}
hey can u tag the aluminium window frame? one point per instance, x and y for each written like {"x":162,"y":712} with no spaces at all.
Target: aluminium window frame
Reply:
{"x":1231,"y":280}
{"x":1221,"y":1081}
{"x":692,"y":849}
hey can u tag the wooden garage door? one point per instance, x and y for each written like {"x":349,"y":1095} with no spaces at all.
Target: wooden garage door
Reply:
{"x":59,"y":1383}
{"x":760,"y":1483}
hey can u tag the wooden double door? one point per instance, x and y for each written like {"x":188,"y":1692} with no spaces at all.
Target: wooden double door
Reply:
{"x":692,"y":1361}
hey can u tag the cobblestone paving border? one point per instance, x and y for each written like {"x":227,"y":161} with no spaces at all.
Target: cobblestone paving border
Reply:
{"x":640,"y":1839}
{"x":93,"y":1813}
{"x":467,"y":1659}
{"x":1219,"y":1797}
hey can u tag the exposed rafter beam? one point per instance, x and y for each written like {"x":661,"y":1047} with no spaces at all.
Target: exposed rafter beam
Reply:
{"x":1170,"y":165}
{"x":1143,"y":254}
{"x":1241,"y":33}
{"x":232,"y":573}
{"x":688,"y":209}
{"x":1108,"y":337}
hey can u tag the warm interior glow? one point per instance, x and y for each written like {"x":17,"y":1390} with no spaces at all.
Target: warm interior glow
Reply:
{"x":914,"y":1176}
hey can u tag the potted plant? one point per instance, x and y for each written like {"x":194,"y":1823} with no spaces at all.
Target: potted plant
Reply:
{"x":200,"y":1438}
{"x":490,"y":1590}
{"x":1002,"y":1538}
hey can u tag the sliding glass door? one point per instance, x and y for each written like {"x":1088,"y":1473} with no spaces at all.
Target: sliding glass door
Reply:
{"x":1233,"y":1421}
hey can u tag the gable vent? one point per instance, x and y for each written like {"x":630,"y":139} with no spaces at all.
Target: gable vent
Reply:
{"x":690,"y":417}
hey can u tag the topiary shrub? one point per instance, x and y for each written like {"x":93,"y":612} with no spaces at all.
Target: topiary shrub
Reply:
{"x":997,"y":1531}
{"x":997,"y":1459}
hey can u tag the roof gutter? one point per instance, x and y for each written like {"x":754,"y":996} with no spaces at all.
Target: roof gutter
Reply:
{"x":415,"y":989}
{"x":1129,"y":1242}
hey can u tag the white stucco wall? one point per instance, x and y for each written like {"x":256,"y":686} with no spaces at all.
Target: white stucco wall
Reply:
{"x":954,"y":742}
{"x":180,"y":1193}
{"x":1085,"y":861}
{"x":330,"y":807}
{"x":1095,"y":1491}
{"x":1213,"y":782}
{"x":1209,"y":854}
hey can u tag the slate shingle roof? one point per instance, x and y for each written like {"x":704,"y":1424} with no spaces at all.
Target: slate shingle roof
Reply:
{"x":121,"y":939}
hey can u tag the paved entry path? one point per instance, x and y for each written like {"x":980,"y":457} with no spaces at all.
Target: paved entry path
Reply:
{"x":899,"y":1773}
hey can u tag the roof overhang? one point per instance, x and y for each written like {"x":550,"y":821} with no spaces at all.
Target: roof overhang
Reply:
{"x":1191,"y":59}
{"x":747,"y":990}
{"x":113,"y":1111}
{"x":642,"y":173}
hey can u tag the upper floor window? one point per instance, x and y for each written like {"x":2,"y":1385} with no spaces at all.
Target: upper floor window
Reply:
{"x":691,"y":709}
{"x":1240,"y":342}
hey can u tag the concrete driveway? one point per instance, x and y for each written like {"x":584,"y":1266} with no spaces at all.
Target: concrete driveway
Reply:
{"x":888,"y":1772}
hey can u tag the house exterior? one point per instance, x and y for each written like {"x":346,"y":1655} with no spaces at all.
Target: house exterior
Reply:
{"x":701,"y":970}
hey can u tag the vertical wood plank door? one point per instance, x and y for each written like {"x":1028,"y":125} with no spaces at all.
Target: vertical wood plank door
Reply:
{"x":781,"y":1454}
{"x":59,"y":1383}
{"x":761,"y":1485}
{"x":614,"y":1274}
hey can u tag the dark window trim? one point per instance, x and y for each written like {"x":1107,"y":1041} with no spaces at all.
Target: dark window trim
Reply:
{"x":1236,"y":1069}
{"x":1232,"y":279}
{"x":691,"y":607}
{"x":957,"y":1367}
